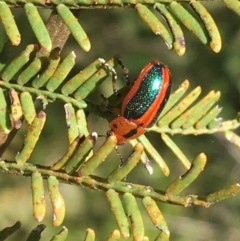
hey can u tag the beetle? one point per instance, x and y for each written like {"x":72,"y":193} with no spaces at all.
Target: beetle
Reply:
{"x":143,"y":103}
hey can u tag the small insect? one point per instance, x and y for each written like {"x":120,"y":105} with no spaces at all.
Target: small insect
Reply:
{"x":143,"y":103}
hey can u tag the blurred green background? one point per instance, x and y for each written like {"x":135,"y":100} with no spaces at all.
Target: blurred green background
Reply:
{"x":121,"y":31}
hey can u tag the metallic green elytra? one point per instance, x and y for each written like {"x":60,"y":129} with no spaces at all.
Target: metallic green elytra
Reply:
{"x":148,"y":95}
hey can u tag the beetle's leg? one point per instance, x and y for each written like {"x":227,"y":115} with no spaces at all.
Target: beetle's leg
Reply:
{"x":125,"y":71}
{"x":113,"y":73}
{"x":105,"y":102}
{"x":120,"y":157}
{"x":109,"y":107}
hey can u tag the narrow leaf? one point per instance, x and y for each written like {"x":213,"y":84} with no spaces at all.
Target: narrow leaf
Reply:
{"x":114,"y":236}
{"x":82,"y":122}
{"x":38,"y":199}
{"x":61,"y":236}
{"x":162,"y":237}
{"x":144,"y":158}
{"x":28,"y":107}
{"x":214,"y":123}
{"x":176,"y":150}
{"x":154,"y":154}
{"x":38,"y":26}
{"x":156,"y":26}
{"x":233,"y":5}
{"x":188,"y":20}
{"x":195,"y":113}
{"x":98,"y":157}
{"x":16,"y":64}
{"x":74,"y":26}
{"x":220,"y":195}
{"x":9,"y":24}
{"x":34,"y":131}
{"x":233,"y":138}
{"x":54,"y":60}
{"x":145,"y":238}
{"x":32,"y":70}
{"x":185,"y":180}
{"x":135,"y":216}
{"x":211,"y":115}
{"x":180,"y":107}
{"x":118,"y":211}
{"x":174,"y":98}
{"x":76,"y":81}
{"x":6,"y":232}
{"x":57,"y":201}
{"x":5,"y":124}
{"x":90,"y":235}
{"x":62,"y":71}
{"x":71,"y":120}
{"x":93,"y":82}
{"x":65,"y":158}
{"x":35,"y":235}
{"x":16,"y":109}
{"x":216,"y":41}
{"x":179,"y":41}
{"x":155,"y":214}
{"x":121,"y":172}
{"x":82,"y":151}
